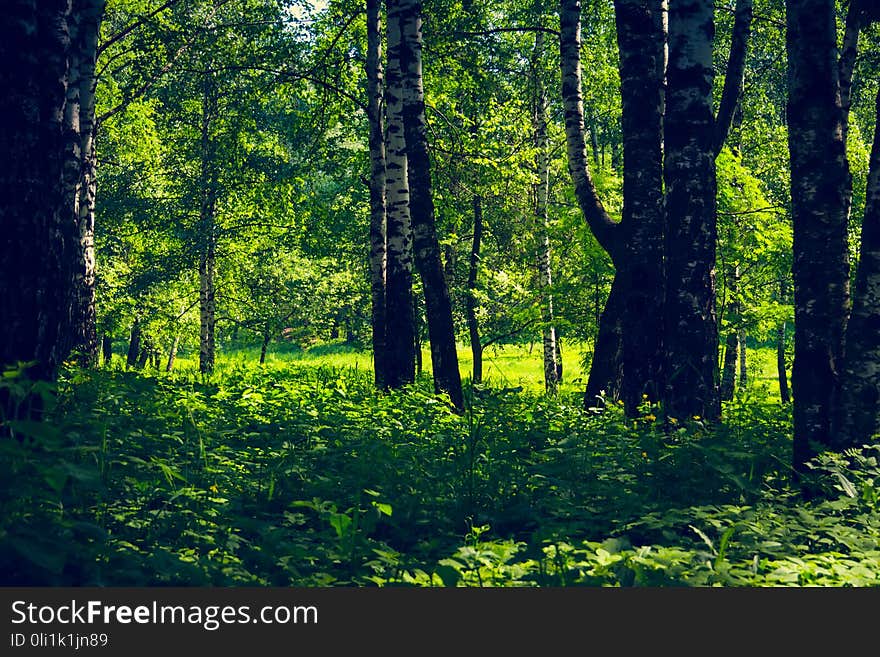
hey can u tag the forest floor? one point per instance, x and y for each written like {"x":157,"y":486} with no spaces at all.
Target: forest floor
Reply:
{"x":300,"y":473}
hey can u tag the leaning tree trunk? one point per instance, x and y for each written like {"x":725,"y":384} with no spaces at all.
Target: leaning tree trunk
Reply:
{"x":400,"y":329}
{"x":691,"y":330}
{"x":172,"y":353}
{"x":604,"y":378}
{"x":441,"y":331}
{"x":858,"y":415}
{"x":542,"y":190}
{"x":39,"y":244}
{"x":375,"y":116}
{"x":819,"y":200}
{"x":471,"y":298}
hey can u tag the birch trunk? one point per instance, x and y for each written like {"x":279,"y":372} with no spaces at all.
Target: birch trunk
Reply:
{"x":859,"y":410}
{"x":375,"y":115}
{"x":542,"y":188}
{"x":784,"y":396}
{"x":441,"y":331}
{"x":691,"y":329}
{"x":207,"y":229}
{"x":84,"y":314}
{"x":471,"y":299}
{"x":819,"y":181}
{"x":400,"y":337}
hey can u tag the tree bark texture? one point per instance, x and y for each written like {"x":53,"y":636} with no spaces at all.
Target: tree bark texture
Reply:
{"x":691,"y":330}
{"x":400,"y":338}
{"x":85,"y":316}
{"x":819,"y":182}
{"x":640,"y":268}
{"x":38,"y":251}
{"x":858,"y":415}
{"x":375,"y":115}
{"x":628,"y":346}
{"x":426,"y":249}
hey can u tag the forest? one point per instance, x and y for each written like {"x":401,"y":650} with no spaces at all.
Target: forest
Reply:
{"x":440,"y":293}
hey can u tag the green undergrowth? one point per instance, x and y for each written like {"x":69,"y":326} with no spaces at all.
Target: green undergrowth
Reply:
{"x":295,"y":474}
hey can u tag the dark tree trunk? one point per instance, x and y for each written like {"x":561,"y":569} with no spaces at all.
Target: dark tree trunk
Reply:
{"x":134,"y":344}
{"x":627,"y":356}
{"x":441,"y":331}
{"x":107,"y":348}
{"x":471,"y":300}
{"x":38,"y":251}
{"x":146,"y":352}
{"x":819,"y":184}
{"x":264,"y":347}
{"x":377,"y":188}
{"x":607,"y":361}
{"x":641,"y":40}
{"x":400,"y":330}
{"x":858,"y":415}
{"x":691,"y":330}
{"x":733,"y":78}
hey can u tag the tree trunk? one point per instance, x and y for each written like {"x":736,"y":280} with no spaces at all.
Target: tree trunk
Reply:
{"x":780,"y":364}
{"x":207,"y":230}
{"x":641,"y":42}
{"x":264,"y":347}
{"x":607,"y":361}
{"x":542,"y":189}
{"x":107,"y":348}
{"x":375,"y":115}
{"x":145,"y":353}
{"x":38,"y":248}
{"x":172,"y":353}
{"x":819,"y":182}
{"x":441,"y":331}
{"x":728,"y":372}
{"x":743,"y":370}
{"x":733,"y":78}
{"x":134,"y":344}
{"x":858,"y":415}
{"x":471,"y":299}
{"x":691,"y":329}
{"x":85,"y":317}
{"x":400,"y":335}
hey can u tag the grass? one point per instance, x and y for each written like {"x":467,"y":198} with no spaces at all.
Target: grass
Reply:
{"x":301,"y":473}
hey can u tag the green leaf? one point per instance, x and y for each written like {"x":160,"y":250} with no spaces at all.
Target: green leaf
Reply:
{"x":448,"y":575}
